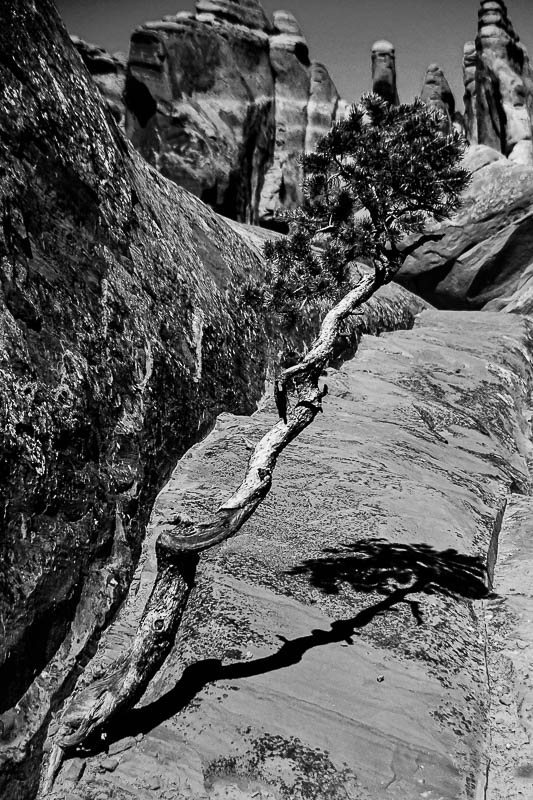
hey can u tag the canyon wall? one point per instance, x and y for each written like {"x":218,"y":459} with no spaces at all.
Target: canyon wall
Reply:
{"x":224,"y":102}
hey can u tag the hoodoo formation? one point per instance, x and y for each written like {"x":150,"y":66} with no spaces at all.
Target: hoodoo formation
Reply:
{"x":436,"y":92}
{"x":499,"y":86}
{"x":384,"y":71}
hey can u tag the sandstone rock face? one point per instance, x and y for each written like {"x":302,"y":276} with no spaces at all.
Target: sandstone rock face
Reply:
{"x":301,"y":692}
{"x":323,"y":105}
{"x":384,"y":71}
{"x":289,"y":58}
{"x":485,"y":256}
{"x":199,"y":98}
{"x":124,"y":332}
{"x":224,"y":103}
{"x":501,"y":115}
{"x":436,"y":92}
{"x":241,"y":12}
{"x":109,"y":74}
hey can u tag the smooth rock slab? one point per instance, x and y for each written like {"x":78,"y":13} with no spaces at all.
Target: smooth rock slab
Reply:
{"x":423,"y":436}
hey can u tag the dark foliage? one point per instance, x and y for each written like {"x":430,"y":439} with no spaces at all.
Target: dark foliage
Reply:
{"x":375,"y":178}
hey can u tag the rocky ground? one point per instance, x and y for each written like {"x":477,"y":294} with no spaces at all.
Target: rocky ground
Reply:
{"x":278,"y":687}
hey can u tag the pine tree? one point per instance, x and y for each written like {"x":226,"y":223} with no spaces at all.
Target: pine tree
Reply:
{"x":376,"y":178}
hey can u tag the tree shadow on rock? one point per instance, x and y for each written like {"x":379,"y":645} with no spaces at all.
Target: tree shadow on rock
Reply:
{"x":376,"y":565}
{"x":372,"y":565}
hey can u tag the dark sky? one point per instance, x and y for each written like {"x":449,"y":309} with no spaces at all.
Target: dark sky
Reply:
{"x":340,"y":32}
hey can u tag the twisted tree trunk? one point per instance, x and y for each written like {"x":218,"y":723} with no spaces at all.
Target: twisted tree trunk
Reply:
{"x":90,"y":709}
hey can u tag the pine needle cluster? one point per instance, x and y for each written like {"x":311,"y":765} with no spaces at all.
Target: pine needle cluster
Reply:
{"x":376,"y":178}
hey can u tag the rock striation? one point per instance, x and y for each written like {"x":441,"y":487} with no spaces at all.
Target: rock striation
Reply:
{"x":224,"y":102}
{"x":384,"y":71}
{"x":499,"y":86}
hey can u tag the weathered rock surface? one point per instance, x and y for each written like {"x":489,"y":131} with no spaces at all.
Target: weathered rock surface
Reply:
{"x":509,"y":656}
{"x":289,"y":58}
{"x":436,"y":92}
{"x":124,"y":332}
{"x":499,"y":86}
{"x":224,"y":103}
{"x":470,"y":95}
{"x":293,"y":692}
{"x":241,"y":12}
{"x":384,"y":71}
{"x":200,"y":108}
{"x":109,"y":74}
{"x":485,"y":258}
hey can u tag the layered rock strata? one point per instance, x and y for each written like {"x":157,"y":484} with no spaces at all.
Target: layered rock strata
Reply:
{"x":499,"y":86}
{"x":300,"y":682}
{"x":384,"y":71}
{"x":224,"y":102}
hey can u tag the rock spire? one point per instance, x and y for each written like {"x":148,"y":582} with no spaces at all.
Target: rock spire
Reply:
{"x":499,"y":86}
{"x":384,"y":71}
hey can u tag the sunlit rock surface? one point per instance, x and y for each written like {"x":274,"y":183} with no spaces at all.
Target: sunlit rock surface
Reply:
{"x":423,"y":436}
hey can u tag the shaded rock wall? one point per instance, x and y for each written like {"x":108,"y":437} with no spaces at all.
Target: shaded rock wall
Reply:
{"x":121,"y":339}
{"x":499,"y":86}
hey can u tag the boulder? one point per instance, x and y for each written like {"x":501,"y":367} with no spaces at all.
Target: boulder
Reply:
{"x":486,"y":250}
{"x":436,"y":92}
{"x":502,"y":114}
{"x":384,"y":71}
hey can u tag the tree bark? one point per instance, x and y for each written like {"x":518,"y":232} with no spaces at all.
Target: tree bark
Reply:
{"x":90,"y":708}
